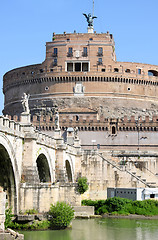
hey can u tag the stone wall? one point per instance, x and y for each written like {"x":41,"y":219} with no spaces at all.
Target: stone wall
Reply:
{"x":2,"y":209}
{"x":41,"y":196}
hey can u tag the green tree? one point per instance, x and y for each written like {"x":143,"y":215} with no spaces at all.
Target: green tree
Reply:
{"x":82,"y":185}
{"x":61,"y":215}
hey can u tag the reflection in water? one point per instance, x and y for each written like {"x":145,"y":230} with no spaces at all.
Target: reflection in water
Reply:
{"x":99,"y":229}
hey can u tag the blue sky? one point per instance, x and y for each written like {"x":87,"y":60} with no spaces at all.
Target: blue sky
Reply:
{"x":25,"y":26}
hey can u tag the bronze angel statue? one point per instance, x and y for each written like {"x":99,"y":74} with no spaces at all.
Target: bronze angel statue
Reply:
{"x":89,"y":19}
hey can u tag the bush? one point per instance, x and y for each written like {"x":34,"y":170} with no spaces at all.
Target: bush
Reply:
{"x":61,"y":215}
{"x":124,"y":206}
{"x":82,"y":185}
{"x":8,"y":217}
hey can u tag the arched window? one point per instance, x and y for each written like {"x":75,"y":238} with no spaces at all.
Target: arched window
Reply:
{"x":113,"y":130}
{"x":152,"y":73}
{"x":116,"y":70}
{"x":77,"y":118}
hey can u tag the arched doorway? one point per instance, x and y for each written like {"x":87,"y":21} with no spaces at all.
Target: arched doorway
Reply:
{"x":113,"y":130}
{"x":43,"y":169}
{"x":68,"y":171}
{"x":7,"y":178}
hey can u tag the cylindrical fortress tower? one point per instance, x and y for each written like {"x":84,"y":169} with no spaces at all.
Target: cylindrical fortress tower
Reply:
{"x":81,"y":71}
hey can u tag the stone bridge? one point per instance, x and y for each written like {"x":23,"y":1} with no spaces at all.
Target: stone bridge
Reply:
{"x":36,"y":169}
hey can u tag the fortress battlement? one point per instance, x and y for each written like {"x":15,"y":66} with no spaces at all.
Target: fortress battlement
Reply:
{"x":92,"y":123}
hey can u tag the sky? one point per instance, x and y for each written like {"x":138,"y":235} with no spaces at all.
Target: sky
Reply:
{"x":26,"y":25}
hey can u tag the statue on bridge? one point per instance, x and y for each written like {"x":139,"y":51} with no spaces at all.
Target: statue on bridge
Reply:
{"x":25,"y":103}
{"x":57,"y":120}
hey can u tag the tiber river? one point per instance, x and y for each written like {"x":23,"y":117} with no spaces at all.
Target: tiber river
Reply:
{"x":102,"y":229}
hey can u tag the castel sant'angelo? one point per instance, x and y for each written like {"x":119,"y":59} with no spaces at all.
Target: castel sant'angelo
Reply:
{"x":79,"y":113}
{"x":92,"y":91}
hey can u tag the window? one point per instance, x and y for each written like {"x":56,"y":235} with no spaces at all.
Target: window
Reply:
{"x":127,"y":70}
{"x":116,"y":70}
{"x":77,"y":67}
{"x":70,"y":52}
{"x":85,"y":52}
{"x":70,"y":67}
{"x":152,"y":73}
{"x":100,"y":61}
{"x":55,"y":54}
{"x":100,"y":51}
{"x":152,"y":195}
{"x":46,"y":88}
{"x":85,"y":67}
{"x":113,"y":130}
{"x":103,"y":70}
{"x":139,"y":71}
{"x":55,"y":62}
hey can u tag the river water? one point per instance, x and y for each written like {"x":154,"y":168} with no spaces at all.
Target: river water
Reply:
{"x":102,"y":229}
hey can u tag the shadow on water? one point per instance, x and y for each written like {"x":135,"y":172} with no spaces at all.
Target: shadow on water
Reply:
{"x":99,"y":229}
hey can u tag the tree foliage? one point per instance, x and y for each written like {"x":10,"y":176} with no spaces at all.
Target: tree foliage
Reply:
{"x":124,"y":206}
{"x":61,"y":215}
{"x":8,"y":217}
{"x":82,"y":185}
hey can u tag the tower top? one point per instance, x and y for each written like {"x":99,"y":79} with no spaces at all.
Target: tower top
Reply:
{"x":90,"y":18}
{"x":90,"y":22}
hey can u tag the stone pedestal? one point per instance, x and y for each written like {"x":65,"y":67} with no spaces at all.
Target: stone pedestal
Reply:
{"x":57,"y":133}
{"x":25,"y":118}
{"x":90,"y":29}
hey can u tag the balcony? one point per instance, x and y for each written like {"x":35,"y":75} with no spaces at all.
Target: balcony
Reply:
{"x":100,"y":54}
{"x":55,"y":54}
{"x":69,"y":54}
{"x":84,"y":54}
{"x":100,"y":63}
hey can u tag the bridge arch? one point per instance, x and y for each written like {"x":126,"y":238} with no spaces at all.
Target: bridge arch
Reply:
{"x":45,"y":166}
{"x":9,"y":174}
{"x":69,"y":169}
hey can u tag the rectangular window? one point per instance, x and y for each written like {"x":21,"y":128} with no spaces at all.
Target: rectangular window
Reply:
{"x":100,"y":51}
{"x":85,"y":67}
{"x":139,"y":71}
{"x":77,"y":67}
{"x":85,"y":52}
{"x":55,"y":62}
{"x":69,"y":67}
{"x":55,"y":52}
{"x":70,"y":52}
{"x":100,"y":61}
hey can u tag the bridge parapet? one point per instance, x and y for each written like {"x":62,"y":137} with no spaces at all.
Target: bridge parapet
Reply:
{"x":10,"y":126}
